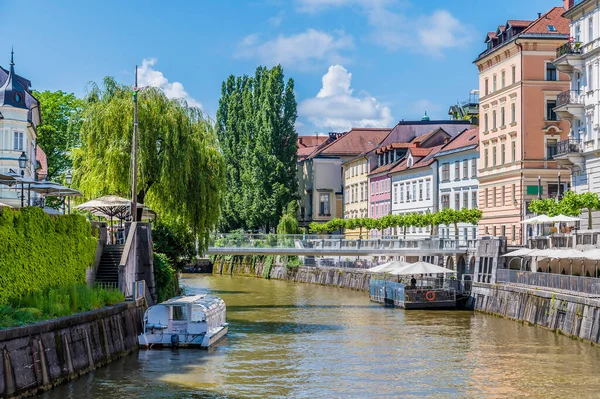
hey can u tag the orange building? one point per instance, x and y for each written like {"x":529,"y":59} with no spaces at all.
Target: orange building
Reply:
{"x":519,"y":130}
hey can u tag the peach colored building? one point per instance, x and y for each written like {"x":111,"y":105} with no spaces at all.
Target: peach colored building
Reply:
{"x":519,"y":130}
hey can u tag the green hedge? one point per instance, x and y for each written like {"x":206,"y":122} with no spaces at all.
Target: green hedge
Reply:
{"x":39,"y":251}
{"x":165,"y":277}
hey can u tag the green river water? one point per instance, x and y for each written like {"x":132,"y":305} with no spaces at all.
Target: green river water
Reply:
{"x":291,"y":340}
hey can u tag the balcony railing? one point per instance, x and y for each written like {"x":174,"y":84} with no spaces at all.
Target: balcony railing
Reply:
{"x":569,"y":97}
{"x":569,"y":146}
{"x":569,"y":48}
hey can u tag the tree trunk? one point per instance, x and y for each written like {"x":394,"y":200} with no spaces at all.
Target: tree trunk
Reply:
{"x":590,"y":223}
{"x":456,"y":231}
{"x":431,"y":231}
{"x":405,"y":232}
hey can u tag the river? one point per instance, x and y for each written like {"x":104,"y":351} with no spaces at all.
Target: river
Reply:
{"x":291,"y":340}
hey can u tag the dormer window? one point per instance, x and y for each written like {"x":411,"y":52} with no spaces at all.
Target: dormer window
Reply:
{"x":409,"y":162}
{"x":551,"y":28}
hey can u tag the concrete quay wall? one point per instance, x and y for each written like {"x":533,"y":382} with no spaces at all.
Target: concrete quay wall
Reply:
{"x":356,"y":279}
{"x":37,"y":357}
{"x":577,"y":317}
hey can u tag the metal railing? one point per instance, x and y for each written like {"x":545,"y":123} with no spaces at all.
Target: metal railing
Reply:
{"x":569,"y":146}
{"x":586,"y":285}
{"x":420,"y":295}
{"x":569,"y":97}
{"x":569,"y":48}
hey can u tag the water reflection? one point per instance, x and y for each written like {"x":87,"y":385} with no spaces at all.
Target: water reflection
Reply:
{"x":306,"y":341}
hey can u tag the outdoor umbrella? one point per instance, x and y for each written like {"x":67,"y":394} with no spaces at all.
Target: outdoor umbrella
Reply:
{"x":541,"y":219}
{"x":388,"y":267}
{"x":564,"y":219}
{"x":422,"y":268}
{"x":108,"y":206}
{"x":520,"y":252}
{"x":3,"y":205}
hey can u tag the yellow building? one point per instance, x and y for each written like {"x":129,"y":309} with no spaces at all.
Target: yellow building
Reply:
{"x":356,"y":182}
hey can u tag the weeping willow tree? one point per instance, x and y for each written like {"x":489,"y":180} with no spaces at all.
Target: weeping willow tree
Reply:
{"x":180,"y":170}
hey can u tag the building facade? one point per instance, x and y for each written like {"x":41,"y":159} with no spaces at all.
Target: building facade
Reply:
{"x":19,"y":116}
{"x":519,"y":130}
{"x":458,"y":183}
{"x":356,"y":190}
{"x":579,"y":104}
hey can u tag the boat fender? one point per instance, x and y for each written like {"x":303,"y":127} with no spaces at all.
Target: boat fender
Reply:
{"x":175,"y":340}
{"x":430,"y":296}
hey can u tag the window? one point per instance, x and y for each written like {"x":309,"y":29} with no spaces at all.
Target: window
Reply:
{"x":502,"y":117}
{"x":494,"y":197}
{"x":514,"y":194}
{"x":324,"y":205}
{"x":485,"y":123}
{"x":457,"y":201}
{"x":474,"y":199}
{"x":487,"y":87}
{"x":503,"y":230}
{"x":372,"y":210}
{"x":513,"y":113}
{"x":550,"y":115}
{"x":465,"y":169}
{"x":494,"y":158}
{"x":395,"y":193}
{"x":428,"y":189}
{"x":402,"y":193}
{"x":466,"y":200}
{"x":372,"y":188}
{"x":514,"y":74}
{"x":513,"y":233}
{"x":502,"y":199}
{"x":456,"y":170}
{"x":590,"y":78}
{"x":493,"y":119}
{"x":180,"y":312}
{"x":494,"y":229}
{"x":551,"y":73}
{"x":420,"y":191}
{"x":494,"y":86}
{"x":513,"y":150}
{"x":590,"y":29}
{"x":445,"y":201}
{"x":18,"y":143}
{"x":551,"y":148}
{"x":485,"y":158}
{"x":445,"y":172}
{"x":503,"y":79}
{"x":414,"y":191}
{"x":502,"y":154}
{"x":577,"y":33}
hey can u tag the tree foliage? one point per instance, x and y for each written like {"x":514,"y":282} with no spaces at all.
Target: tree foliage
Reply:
{"x":572,"y":204}
{"x":180,"y":172}
{"x":288,"y":224}
{"x":59,"y":131}
{"x":255,"y":128}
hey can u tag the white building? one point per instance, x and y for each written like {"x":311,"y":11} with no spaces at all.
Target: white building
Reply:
{"x":19,"y":116}
{"x":458,"y":184}
{"x":580,"y":105}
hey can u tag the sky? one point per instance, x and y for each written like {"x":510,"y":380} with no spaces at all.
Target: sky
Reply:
{"x":355,"y":63}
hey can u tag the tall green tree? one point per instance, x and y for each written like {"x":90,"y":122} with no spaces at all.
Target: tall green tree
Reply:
{"x":59,"y":131}
{"x":255,"y":128}
{"x":180,"y":172}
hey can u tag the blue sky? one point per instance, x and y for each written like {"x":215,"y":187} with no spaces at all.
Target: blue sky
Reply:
{"x":355,"y":62}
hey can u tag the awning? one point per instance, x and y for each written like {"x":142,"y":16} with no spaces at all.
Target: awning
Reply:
{"x":519,"y":252}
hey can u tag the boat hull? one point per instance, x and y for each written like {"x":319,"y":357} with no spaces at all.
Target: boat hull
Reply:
{"x":152,"y":341}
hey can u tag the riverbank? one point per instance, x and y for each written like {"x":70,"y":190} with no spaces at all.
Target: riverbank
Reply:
{"x":355,"y":279}
{"x":574,"y":316}
{"x":40,"y":356}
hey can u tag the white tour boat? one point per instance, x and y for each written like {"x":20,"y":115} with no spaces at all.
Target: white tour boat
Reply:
{"x":195,"y":320}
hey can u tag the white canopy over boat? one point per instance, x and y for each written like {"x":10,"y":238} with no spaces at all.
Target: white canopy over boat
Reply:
{"x":422,"y":268}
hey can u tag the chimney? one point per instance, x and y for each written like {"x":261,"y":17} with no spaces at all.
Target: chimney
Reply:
{"x":568,"y":4}
{"x":539,"y":15}
{"x":446,"y":140}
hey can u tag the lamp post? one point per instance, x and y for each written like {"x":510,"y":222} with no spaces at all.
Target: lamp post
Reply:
{"x":539,"y":187}
{"x":69,"y":180}
{"x":558,"y":195}
{"x":22,"y":164}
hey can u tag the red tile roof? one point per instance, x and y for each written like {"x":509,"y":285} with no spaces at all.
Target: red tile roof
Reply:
{"x":518,"y":23}
{"x":429,"y":158}
{"x":463,"y":140}
{"x":394,"y":146}
{"x":420,"y":152}
{"x":553,"y":17}
{"x":355,"y":142}
{"x":40,"y":156}
{"x":311,"y":141}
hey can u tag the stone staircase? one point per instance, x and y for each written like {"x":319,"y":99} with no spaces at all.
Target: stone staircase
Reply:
{"x":107,"y":274}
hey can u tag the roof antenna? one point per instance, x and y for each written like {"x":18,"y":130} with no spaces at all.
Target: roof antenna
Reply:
{"x":12,"y":52}
{"x":539,"y":15}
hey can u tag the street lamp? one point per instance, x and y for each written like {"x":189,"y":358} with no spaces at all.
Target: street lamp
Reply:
{"x":539,"y":187}
{"x":69,"y":180}
{"x":558,"y":195}
{"x":22,"y":164}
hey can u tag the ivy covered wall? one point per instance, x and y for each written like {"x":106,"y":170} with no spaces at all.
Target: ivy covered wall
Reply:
{"x":39,"y":251}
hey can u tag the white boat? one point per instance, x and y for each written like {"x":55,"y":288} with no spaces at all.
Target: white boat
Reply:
{"x":195,"y":320}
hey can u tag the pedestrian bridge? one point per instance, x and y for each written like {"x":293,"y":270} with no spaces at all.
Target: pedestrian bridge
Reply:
{"x":318,"y":245}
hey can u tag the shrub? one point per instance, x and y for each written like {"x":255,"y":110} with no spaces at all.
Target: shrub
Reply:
{"x":165,"y":277}
{"x":37,"y":251}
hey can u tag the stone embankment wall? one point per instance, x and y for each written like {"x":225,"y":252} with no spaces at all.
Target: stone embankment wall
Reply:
{"x":577,"y":317}
{"x":40,"y":356}
{"x":356,"y":279}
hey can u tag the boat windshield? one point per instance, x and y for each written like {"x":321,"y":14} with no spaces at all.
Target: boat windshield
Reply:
{"x":179,"y":313}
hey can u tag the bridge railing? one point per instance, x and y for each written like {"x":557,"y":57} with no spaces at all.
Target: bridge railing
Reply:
{"x":240,"y":240}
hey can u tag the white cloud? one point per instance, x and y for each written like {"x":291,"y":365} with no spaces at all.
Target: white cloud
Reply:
{"x":276,"y":20}
{"x":303,"y":50}
{"x":335,"y":108}
{"x":148,"y":76}
{"x":393,"y":28}
{"x":425,"y":105}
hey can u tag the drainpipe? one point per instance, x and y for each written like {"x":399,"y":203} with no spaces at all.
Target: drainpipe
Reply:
{"x":523,"y":240}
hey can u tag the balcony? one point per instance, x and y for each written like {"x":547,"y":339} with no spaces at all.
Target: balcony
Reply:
{"x":569,"y":105}
{"x":568,"y":153}
{"x":568,"y":57}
